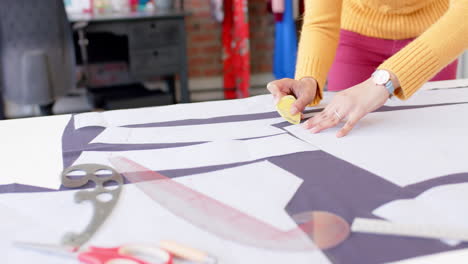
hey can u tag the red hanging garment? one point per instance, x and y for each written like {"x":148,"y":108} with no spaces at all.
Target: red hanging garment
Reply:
{"x":236,"y":54}
{"x":229,"y":77}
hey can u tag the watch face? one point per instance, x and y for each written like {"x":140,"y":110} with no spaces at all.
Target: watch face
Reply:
{"x":381,"y":77}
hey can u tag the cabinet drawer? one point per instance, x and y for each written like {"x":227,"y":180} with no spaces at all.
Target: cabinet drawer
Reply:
{"x":150,"y":34}
{"x":155,"y":61}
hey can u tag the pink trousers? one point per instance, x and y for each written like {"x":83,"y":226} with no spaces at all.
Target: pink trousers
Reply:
{"x":358,"y":56}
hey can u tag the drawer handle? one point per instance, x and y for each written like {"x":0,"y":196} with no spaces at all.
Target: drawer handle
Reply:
{"x":153,"y":25}
{"x":155,"y":53}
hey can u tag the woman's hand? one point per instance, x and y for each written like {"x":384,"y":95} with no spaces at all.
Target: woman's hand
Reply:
{"x":304,"y":90}
{"x":350,"y":105}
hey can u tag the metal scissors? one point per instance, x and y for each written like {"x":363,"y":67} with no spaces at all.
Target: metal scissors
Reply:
{"x":128,"y":254}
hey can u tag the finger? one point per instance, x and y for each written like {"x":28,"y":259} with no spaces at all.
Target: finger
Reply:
{"x":313,"y":121}
{"x":304,"y":97}
{"x":280,"y":88}
{"x":272,"y":88}
{"x":300,"y":104}
{"x":325,"y":124}
{"x":275,"y":91}
{"x":349,"y":125}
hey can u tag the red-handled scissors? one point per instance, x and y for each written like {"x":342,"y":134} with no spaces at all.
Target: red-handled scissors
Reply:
{"x":128,"y":254}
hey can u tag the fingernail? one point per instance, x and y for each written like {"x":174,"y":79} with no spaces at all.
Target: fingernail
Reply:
{"x":270,"y":85}
{"x":313,"y":130}
{"x":294,"y":110}
{"x":276,"y":99}
{"x":305,"y":125}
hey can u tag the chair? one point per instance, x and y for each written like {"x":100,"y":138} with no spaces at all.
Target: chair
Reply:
{"x":36,"y":52}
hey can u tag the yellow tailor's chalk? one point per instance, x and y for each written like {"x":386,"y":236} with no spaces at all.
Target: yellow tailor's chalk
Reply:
{"x":284,"y":109}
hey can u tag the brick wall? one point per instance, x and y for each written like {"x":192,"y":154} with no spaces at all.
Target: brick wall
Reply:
{"x":204,"y":39}
{"x":262,"y":32}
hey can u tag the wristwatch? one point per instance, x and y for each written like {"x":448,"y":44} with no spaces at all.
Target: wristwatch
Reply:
{"x":382,"y":77}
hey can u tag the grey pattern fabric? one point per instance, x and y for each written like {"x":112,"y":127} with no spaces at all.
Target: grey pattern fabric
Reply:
{"x":36,"y":51}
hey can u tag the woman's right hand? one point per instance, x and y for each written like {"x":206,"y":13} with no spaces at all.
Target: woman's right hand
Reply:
{"x":304,"y":90}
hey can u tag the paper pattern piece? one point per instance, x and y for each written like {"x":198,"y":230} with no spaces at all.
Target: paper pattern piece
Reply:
{"x":445,"y":84}
{"x":453,"y":257}
{"x":245,"y":182}
{"x":15,"y":226}
{"x":148,"y":222}
{"x":191,"y":133}
{"x":447,"y":96}
{"x":251,"y":105}
{"x":206,"y":154}
{"x":32,"y":150}
{"x":440,"y":206}
{"x":403,"y":147}
{"x":209,"y":214}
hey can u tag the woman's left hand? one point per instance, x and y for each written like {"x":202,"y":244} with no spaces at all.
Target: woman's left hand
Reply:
{"x":350,"y":105}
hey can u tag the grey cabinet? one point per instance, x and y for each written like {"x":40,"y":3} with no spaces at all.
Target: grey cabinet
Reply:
{"x":156,"y":43}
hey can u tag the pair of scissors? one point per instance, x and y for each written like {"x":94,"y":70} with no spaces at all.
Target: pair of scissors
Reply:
{"x":128,"y":254}
{"x":71,"y":242}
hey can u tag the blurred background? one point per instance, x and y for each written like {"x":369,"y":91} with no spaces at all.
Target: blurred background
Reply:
{"x":69,"y":56}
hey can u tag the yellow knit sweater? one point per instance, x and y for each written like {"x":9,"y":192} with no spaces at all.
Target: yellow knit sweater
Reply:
{"x":439,"y":26}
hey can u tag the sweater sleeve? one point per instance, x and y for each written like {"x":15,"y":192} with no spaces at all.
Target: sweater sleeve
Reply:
{"x":319,"y":41}
{"x":437,"y":47}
